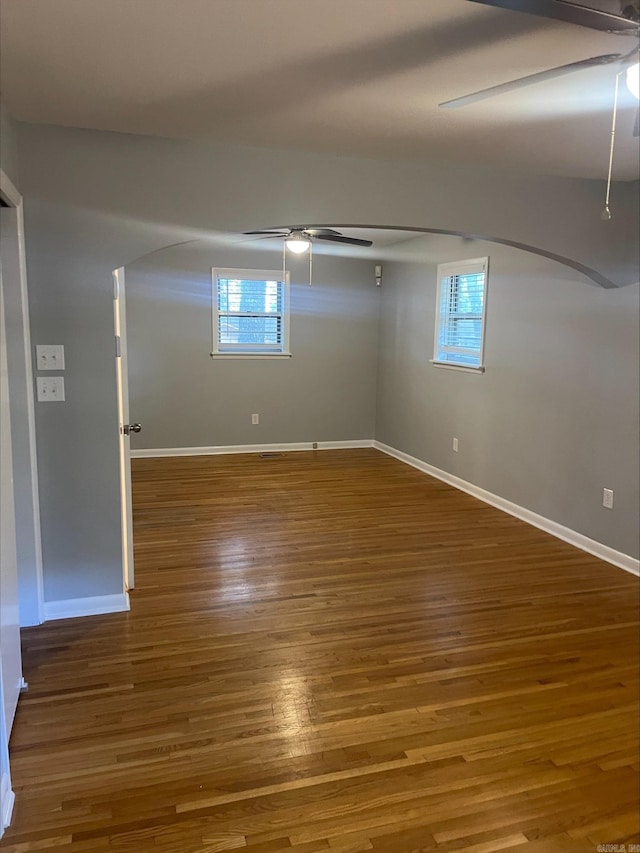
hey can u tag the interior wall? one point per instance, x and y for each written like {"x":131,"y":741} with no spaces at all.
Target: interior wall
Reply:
{"x":553,"y":420}
{"x":184,"y":398}
{"x":95,"y":201}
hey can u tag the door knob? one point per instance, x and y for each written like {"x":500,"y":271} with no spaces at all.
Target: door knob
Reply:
{"x":129,"y":428}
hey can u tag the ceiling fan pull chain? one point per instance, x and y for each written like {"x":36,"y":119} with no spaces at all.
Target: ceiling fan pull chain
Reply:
{"x":284,"y":262}
{"x":606,"y":212}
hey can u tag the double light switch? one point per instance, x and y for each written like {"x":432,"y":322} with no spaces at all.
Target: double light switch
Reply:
{"x":50,"y":389}
{"x":50,"y":357}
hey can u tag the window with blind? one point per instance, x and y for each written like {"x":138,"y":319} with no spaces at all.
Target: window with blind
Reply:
{"x":250,"y":312}
{"x":460,"y":315}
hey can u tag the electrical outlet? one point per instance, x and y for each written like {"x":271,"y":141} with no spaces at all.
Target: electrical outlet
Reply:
{"x":315,"y":445}
{"x":50,"y":389}
{"x":455,"y":445}
{"x":49,"y":357}
{"x":607,"y":498}
{"x":255,"y":419}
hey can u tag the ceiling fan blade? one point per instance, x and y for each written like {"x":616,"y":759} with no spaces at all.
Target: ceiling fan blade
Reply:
{"x":530,"y":79}
{"x":572,"y":13}
{"x":322,"y":232}
{"x":267,"y":233}
{"x":263,"y":237}
{"x":353,"y":241}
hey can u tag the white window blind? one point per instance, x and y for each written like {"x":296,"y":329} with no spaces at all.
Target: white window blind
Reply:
{"x":460,"y":316}
{"x":250,"y":312}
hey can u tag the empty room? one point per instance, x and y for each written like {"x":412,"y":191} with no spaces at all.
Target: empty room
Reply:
{"x":320,"y":426}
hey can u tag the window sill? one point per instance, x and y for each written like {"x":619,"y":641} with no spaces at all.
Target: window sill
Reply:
{"x":242,"y":355}
{"x":464,"y":368}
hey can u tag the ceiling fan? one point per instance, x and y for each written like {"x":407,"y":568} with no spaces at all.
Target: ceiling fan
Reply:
{"x":627,"y":22}
{"x":300,"y":238}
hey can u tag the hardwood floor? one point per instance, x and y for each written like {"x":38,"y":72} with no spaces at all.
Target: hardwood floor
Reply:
{"x":331,"y":651}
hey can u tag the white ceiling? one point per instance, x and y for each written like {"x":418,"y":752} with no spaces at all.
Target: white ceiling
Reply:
{"x":360,"y":77}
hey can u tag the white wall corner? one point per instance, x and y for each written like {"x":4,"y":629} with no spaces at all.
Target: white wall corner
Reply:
{"x":149,"y":453}
{"x":93,"y":606}
{"x":7,"y":799}
{"x":584,"y":543}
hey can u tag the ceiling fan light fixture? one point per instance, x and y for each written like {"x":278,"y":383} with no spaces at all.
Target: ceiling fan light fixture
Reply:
{"x":297,"y":243}
{"x":633,"y":79}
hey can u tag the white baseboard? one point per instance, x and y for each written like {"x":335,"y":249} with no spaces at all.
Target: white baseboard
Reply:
{"x":597,"y":549}
{"x":7,"y":799}
{"x":93,"y":606}
{"x":147,"y":453}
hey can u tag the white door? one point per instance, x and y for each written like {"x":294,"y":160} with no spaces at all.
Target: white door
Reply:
{"x":10,"y":654}
{"x":125,"y":428}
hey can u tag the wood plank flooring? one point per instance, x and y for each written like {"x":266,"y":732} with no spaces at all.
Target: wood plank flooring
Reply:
{"x":330,"y":651}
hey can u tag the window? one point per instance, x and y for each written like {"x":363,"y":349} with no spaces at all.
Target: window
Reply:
{"x":250,"y":313}
{"x":460,"y":314}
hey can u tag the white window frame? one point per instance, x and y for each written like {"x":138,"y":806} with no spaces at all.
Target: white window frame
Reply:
{"x":218,"y":273}
{"x":444,"y":273}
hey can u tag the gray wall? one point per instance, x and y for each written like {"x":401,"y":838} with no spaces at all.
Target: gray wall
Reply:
{"x":555,"y":417}
{"x":96,"y":201}
{"x":184,"y":398}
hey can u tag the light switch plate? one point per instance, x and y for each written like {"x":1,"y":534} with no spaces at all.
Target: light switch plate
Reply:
{"x":50,"y":389}
{"x":49,"y":357}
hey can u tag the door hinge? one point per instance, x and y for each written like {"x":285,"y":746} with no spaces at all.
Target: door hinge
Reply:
{"x":118,"y":347}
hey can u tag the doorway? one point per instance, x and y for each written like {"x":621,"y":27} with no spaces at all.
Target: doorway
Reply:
{"x":21,"y":586}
